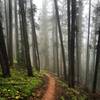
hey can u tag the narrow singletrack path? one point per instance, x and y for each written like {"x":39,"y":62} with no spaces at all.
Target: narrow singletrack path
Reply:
{"x":51,"y":89}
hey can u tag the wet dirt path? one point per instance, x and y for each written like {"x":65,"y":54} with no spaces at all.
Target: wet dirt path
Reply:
{"x":50,"y":92}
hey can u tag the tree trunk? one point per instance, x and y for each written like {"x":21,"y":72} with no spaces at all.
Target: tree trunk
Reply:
{"x":61,"y":39}
{"x":25,"y":37}
{"x":69,"y":32}
{"x":79,"y":41}
{"x":96,"y":65}
{"x":10,"y":37}
{"x":53,"y":41}
{"x":6,"y":19}
{"x":36,"y":58}
{"x":88,"y":55}
{"x":21,"y":59}
{"x":3,"y":54}
{"x":72,"y":45}
{"x":57,"y":52}
{"x":16,"y":32}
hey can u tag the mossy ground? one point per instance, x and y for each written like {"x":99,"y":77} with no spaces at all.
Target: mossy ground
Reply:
{"x":19,"y":85}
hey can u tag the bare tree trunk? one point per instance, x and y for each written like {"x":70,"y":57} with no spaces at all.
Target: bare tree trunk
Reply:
{"x":79,"y":40}
{"x":25,"y":37}
{"x":6,"y":19}
{"x":69,"y":31}
{"x":61,"y":39}
{"x":53,"y":40}
{"x":77,"y":58}
{"x":16,"y":32}
{"x":94,"y":41}
{"x":88,"y":55}
{"x":36,"y":58}
{"x":21,"y":59}
{"x":55,"y":44}
{"x":73,"y":42}
{"x":10,"y":35}
{"x":57,"y":52}
{"x":3,"y":54}
{"x":96,"y":65}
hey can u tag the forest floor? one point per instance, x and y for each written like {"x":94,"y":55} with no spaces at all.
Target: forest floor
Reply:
{"x":56,"y":89}
{"x":19,"y":86}
{"x":51,"y":89}
{"x":42,"y":86}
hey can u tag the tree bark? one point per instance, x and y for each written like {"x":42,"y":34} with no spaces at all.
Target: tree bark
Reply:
{"x":79,"y":40}
{"x":25,"y":37}
{"x":69,"y":32}
{"x":61,"y":39}
{"x":10,"y":36}
{"x":6,"y":19}
{"x":88,"y":55}
{"x":36,"y":58}
{"x":96,"y":65}
{"x":72,"y":46}
{"x":16,"y":32}
{"x":3,"y":54}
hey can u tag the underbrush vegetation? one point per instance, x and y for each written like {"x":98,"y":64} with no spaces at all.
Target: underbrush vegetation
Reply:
{"x":72,"y":94}
{"x":19,"y":85}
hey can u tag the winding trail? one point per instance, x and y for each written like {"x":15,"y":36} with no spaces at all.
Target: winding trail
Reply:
{"x":51,"y":89}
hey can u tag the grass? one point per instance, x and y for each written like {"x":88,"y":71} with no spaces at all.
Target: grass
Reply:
{"x":19,"y":85}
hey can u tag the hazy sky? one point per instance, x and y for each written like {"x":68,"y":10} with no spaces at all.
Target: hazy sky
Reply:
{"x":38,"y":3}
{"x":39,"y":6}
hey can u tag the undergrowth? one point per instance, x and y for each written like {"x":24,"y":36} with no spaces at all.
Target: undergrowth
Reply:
{"x":72,"y":94}
{"x":19,"y":85}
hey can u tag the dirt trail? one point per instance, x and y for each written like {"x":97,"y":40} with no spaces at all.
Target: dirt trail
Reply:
{"x":50,"y":92}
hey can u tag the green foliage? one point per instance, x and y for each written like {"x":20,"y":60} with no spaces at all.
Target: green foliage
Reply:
{"x":62,"y":98}
{"x":1,"y":98}
{"x":73,"y":94}
{"x":63,"y":84}
{"x":19,"y":85}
